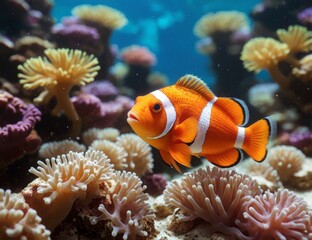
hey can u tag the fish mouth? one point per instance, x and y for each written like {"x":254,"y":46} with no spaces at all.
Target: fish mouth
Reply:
{"x":132,"y":117}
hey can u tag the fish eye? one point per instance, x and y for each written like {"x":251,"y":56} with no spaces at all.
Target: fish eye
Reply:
{"x":156,"y":108}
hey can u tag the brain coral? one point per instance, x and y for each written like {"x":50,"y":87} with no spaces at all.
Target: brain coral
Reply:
{"x":223,"y":21}
{"x":263,"y":53}
{"x":130,"y":209}
{"x":280,"y":215}
{"x":64,"y":179}
{"x":214,"y":195}
{"x":18,"y":221}
{"x":139,"y":154}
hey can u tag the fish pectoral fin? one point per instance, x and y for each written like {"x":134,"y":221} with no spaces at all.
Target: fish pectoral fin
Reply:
{"x":186,"y":130}
{"x":168,"y":159}
{"x":226,"y":159}
{"x":236,"y":109}
{"x":181,"y":153}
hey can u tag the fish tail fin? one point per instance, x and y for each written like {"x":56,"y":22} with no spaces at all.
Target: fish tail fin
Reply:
{"x":257,"y":137}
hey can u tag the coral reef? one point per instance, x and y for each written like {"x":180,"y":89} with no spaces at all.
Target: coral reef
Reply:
{"x":139,"y":154}
{"x":213,"y":195}
{"x":280,"y":59}
{"x":130,"y":209}
{"x":222,"y":36}
{"x":279,"y":215}
{"x":63,"y":180}
{"x":56,"y":148}
{"x":93,"y":134}
{"x":140,"y":60}
{"x":58,"y":73}
{"x":18,"y":220}
{"x":17,"y":133}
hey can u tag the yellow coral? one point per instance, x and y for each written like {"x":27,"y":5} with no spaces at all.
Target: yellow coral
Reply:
{"x":102,"y":15}
{"x":223,"y":21}
{"x":304,"y":71}
{"x":58,"y":73}
{"x":263,"y":53}
{"x":17,"y":220}
{"x":298,"y":38}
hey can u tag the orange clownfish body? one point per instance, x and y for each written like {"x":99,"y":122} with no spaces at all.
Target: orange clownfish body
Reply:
{"x":187,"y":119}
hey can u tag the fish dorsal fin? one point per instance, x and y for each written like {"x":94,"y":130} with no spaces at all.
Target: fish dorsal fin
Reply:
{"x":196,"y":84}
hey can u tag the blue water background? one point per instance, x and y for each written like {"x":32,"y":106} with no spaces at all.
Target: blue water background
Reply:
{"x":166,"y":28}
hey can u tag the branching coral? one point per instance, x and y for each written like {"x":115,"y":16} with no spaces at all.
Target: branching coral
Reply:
{"x":63,"y":180}
{"x":260,"y":53}
{"x":17,"y":122}
{"x":130,"y":207}
{"x":56,"y":148}
{"x":115,"y":153}
{"x":279,"y":215}
{"x":298,"y":38}
{"x":18,"y":221}
{"x":61,"y":70}
{"x":214,"y":195}
{"x":139,"y":158}
{"x":223,"y":21}
{"x":102,"y":15}
{"x":287,"y":160}
{"x":93,"y":134}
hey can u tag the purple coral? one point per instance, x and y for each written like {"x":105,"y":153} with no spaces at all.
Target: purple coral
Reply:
{"x":155,"y":183}
{"x":301,"y":139}
{"x":279,"y":215}
{"x":17,"y":122}
{"x":95,"y":113}
{"x":104,"y":90}
{"x":305,"y":16}
{"x":77,"y":36}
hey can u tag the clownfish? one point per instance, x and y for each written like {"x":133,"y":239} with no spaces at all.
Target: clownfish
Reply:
{"x":187,"y":119}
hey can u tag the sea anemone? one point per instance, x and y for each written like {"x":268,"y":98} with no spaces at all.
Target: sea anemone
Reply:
{"x":130,"y":210}
{"x":263,"y":53}
{"x":298,"y":38}
{"x":279,"y":215}
{"x":138,"y":55}
{"x":56,"y":148}
{"x":213,"y":195}
{"x":102,"y":15}
{"x":18,"y":221}
{"x":58,"y":73}
{"x":63,"y":180}
{"x":115,"y":153}
{"x":17,"y":136}
{"x":139,"y":159}
{"x":287,"y":160}
{"x":93,"y":134}
{"x":223,"y":21}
